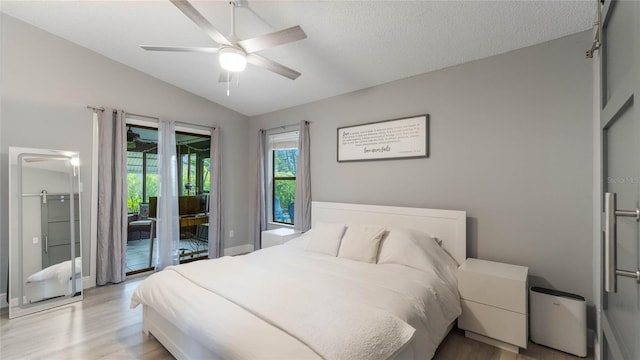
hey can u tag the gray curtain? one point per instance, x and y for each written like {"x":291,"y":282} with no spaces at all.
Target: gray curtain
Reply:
{"x":112,"y":197}
{"x":302,"y":208}
{"x":216,"y":239}
{"x":260,"y":223}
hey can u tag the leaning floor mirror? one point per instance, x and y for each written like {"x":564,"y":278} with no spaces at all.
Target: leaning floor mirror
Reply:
{"x":45,"y":266}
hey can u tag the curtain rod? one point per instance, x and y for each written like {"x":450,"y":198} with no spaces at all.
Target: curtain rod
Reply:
{"x":144,"y":116}
{"x":283,"y":126}
{"x":155,"y":118}
{"x":195,"y":125}
{"x":177,"y":122}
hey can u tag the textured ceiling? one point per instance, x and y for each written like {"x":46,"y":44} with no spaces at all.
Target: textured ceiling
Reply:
{"x":351,"y":45}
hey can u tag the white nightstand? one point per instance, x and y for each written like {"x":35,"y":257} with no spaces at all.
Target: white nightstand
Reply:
{"x":278,"y":236}
{"x":494,"y":303}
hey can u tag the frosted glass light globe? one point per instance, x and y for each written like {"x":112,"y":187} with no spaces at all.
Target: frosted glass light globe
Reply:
{"x":232,"y":59}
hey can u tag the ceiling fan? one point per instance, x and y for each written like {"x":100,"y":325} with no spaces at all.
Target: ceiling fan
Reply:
{"x":234,"y":54}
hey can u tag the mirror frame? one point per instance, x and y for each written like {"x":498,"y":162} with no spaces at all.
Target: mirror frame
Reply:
{"x":16,"y":155}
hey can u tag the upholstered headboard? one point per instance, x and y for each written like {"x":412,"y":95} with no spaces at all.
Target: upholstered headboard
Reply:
{"x":449,"y":226}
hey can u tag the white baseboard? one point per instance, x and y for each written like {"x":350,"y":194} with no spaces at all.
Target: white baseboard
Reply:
{"x":3,"y":301}
{"x":237,"y":250}
{"x":88,"y":282}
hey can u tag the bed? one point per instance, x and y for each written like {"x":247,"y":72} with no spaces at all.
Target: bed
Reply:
{"x":286,"y":302}
{"x":53,"y":281}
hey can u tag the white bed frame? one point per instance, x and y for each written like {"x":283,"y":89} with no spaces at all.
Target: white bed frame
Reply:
{"x":448,"y":226}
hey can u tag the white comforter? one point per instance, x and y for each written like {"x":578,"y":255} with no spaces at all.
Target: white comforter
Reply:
{"x":422,"y":299}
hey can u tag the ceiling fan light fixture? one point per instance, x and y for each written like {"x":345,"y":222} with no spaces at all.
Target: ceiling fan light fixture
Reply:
{"x":232,"y":59}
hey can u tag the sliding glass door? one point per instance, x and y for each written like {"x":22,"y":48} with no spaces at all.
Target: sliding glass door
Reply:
{"x":194,"y":183}
{"x":142,"y":184}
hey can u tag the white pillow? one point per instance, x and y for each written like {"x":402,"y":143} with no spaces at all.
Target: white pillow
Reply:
{"x":325,"y":238}
{"x":361,"y":243}
{"x":418,"y":250}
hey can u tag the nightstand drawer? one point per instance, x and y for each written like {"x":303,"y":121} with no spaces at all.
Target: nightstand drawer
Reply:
{"x":500,"y":324}
{"x":496,"y":284}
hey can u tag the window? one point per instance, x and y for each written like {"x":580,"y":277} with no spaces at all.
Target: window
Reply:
{"x":283,"y":151}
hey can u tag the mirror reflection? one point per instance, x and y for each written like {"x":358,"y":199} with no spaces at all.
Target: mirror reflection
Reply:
{"x":45,"y":263}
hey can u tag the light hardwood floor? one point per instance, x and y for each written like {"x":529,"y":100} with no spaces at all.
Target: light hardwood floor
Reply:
{"x":103,"y":327}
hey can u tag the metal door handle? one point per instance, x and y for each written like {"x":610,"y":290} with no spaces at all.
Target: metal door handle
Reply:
{"x":46,"y":244}
{"x":611,"y":270}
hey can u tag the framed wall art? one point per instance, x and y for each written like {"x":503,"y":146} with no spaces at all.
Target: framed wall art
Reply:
{"x":384,"y":140}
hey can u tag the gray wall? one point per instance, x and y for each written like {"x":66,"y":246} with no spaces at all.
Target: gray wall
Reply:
{"x":511,"y":143}
{"x":48,"y":81}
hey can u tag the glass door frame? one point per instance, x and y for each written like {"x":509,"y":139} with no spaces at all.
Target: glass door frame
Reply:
{"x":152,"y":123}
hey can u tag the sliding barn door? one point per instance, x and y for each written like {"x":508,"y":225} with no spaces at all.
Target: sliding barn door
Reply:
{"x":620,"y":124}
{"x":56,"y":229}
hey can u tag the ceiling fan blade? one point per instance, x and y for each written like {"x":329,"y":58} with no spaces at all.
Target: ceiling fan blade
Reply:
{"x":271,"y":65}
{"x":198,"y":19}
{"x":224,"y":77}
{"x":209,"y":50}
{"x":272,"y":40}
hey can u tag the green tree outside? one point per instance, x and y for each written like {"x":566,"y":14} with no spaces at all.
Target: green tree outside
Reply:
{"x":134,"y":192}
{"x":285,"y":161}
